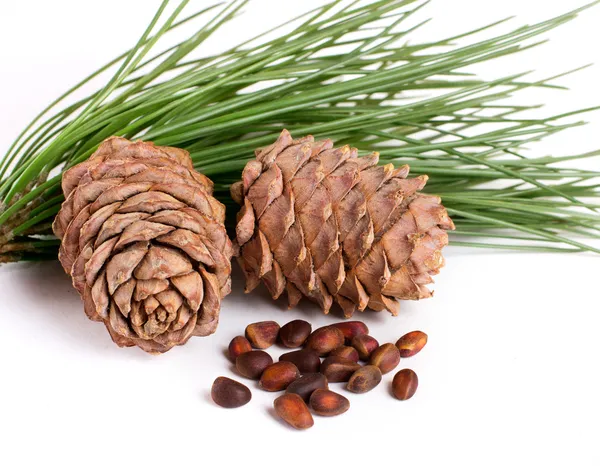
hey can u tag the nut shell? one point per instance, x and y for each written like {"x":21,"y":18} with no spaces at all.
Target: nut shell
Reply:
{"x":238,"y":345}
{"x":405,"y":384}
{"x":365,"y":345}
{"x":306,"y":360}
{"x":386,"y":357}
{"x":307,"y":384}
{"x":262,"y":335}
{"x":364,"y":379}
{"x":411,"y":343}
{"x":346,"y":352}
{"x":229,"y":393}
{"x":338,"y":369}
{"x":328,"y":403}
{"x":324,"y":340}
{"x":278,"y":376}
{"x":294,"y":333}
{"x":293,"y":410}
{"x":253,"y":363}
{"x":351,"y":329}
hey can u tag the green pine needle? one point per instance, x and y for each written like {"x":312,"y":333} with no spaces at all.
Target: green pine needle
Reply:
{"x":322,"y":78}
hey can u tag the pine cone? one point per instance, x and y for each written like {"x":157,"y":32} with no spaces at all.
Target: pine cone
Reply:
{"x":324,"y":223}
{"x":144,"y":242}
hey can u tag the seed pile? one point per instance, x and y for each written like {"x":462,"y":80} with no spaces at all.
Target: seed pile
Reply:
{"x":305,"y":377}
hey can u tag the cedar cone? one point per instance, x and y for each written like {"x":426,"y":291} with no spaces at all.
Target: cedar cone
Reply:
{"x":145,"y":244}
{"x":324,"y":223}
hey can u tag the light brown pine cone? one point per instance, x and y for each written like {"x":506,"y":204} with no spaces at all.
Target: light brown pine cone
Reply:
{"x":324,"y":223}
{"x":144,"y":242}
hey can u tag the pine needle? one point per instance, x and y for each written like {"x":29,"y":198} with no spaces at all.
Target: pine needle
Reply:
{"x":322,"y":78}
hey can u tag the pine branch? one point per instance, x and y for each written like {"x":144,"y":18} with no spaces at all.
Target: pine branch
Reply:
{"x":320,"y":78}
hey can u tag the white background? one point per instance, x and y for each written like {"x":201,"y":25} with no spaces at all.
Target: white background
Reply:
{"x":510,"y":374}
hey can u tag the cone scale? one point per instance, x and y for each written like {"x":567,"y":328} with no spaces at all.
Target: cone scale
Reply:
{"x":321,"y":222}
{"x":145,"y":244}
